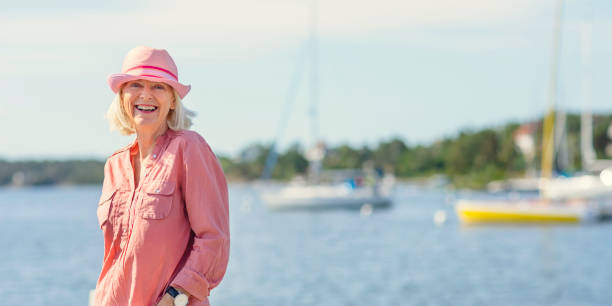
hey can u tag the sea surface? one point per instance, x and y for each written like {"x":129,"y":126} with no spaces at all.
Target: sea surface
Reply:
{"x":51,"y":253}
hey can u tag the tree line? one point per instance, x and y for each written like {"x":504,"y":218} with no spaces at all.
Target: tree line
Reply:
{"x":469,"y":159}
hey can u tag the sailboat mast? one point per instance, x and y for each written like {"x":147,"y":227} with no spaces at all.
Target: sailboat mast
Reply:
{"x":586,"y":122}
{"x":549,"y":122}
{"x":314,"y":81}
{"x":309,"y":47}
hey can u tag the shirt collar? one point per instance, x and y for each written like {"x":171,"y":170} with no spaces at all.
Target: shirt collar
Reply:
{"x":160,"y":143}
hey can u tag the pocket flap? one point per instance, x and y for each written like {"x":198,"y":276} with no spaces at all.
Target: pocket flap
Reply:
{"x":107,"y":194}
{"x":103,"y":212}
{"x":162,"y":188}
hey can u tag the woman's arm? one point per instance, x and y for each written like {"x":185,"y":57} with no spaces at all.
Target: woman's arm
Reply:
{"x":206,"y":202}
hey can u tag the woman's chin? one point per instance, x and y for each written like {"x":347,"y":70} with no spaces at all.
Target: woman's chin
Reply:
{"x":146,"y":123}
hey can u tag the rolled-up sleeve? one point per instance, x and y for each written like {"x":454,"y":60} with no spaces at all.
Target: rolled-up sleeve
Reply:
{"x":206,"y":201}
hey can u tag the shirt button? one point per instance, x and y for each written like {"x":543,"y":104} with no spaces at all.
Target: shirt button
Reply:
{"x":156,"y":190}
{"x":154,"y":155}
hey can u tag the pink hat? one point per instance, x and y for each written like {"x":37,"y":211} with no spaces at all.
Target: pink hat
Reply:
{"x":149,"y":64}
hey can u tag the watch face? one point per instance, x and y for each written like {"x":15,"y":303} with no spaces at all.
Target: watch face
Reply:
{"x":181,"y":300}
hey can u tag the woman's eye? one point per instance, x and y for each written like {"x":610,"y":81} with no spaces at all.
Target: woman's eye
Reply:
{"x":136,"y":85}
{"x":160,"y":87}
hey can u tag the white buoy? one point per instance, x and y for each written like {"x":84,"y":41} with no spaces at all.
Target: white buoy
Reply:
{"x":439,"y":217}
{"x":366,"y":209}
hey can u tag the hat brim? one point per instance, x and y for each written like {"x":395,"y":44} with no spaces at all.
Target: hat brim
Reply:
{"x":116,"y":80}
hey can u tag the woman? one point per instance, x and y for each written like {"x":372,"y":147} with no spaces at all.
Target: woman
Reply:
{"x":164,"y":204}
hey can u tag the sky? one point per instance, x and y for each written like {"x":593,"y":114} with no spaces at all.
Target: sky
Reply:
{"x":417,"y":70}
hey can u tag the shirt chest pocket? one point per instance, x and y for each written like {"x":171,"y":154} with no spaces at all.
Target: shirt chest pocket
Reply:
{"x":157,"y":200}
{"x":111,"y":206}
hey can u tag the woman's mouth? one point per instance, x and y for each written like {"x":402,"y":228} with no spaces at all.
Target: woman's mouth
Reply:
{"x":146,"y":108}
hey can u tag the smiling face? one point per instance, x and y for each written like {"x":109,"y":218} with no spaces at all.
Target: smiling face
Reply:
{"x":148,"y":104}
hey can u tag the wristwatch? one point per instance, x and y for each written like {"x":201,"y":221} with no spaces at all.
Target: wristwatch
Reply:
{"x":180,"y":299}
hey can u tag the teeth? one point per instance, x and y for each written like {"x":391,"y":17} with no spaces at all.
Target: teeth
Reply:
{"x":146,"y":108}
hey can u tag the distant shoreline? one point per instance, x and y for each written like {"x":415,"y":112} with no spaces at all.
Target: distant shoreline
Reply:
{"x":470,"y":159}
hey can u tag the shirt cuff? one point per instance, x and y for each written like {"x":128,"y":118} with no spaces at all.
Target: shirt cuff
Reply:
{"x":191,"y":283}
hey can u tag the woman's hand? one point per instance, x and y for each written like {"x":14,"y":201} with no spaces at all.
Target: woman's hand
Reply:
{"x":166,"y":300}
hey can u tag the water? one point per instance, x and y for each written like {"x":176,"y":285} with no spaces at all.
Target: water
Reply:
{"x":52,"y":251}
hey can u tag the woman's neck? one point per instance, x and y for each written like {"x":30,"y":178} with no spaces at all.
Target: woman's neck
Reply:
{"x":146,"y":140}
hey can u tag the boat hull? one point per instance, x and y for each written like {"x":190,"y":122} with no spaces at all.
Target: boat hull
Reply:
{"x":326,"y":203}
{"x":320,"y":197}
{"x":471,"y":212}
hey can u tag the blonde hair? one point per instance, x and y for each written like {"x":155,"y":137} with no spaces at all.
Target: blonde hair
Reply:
{"x":179,"y":118}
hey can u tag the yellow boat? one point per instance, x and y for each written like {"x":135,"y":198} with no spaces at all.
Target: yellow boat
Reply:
{"x":541,"y":210}
{"x":536,"y":211}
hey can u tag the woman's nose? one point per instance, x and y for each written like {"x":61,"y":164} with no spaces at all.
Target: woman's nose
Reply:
{"x":146,"y":94}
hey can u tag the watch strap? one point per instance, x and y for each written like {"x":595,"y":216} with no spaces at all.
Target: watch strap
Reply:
{"x":172,"y":291}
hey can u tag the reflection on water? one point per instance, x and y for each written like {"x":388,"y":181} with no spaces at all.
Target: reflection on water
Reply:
{"x":52,"y":250}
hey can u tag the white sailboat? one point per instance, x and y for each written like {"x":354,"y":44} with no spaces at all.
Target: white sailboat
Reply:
{"x":350,"y":189}
{"x":589,"y":186}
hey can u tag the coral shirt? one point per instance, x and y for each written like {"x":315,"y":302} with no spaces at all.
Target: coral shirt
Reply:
{"x":172,"y":229}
